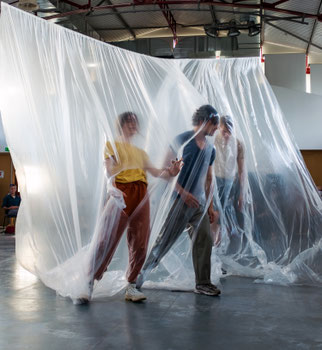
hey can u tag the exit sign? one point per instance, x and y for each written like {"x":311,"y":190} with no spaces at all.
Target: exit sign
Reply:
{"x":1,"y":174}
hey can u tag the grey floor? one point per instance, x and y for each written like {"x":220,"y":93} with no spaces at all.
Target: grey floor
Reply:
{"x":246,"y":316}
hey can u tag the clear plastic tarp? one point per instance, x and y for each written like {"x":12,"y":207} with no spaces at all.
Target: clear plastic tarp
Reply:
{"x":129,"y":163}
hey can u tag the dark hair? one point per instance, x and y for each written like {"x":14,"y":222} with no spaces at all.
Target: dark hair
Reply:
{"x":203,"y":114}
{"x":227,"y":122}
{"x":125,"y":117}
{"x":12,"y":185}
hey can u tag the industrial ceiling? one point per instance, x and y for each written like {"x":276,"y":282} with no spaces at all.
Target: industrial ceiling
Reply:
{"x":284,"y":25}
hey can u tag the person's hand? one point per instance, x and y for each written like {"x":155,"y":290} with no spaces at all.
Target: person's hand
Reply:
{"x":213,"y":215}
{"x":117,"y":195}
{"x":190,"y":200}
{"x":175,"y":167}
{"x":217,"y":239}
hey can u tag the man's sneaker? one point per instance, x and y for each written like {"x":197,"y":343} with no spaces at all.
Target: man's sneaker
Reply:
{"x":82,"y":300}
{"x":214,"y":288}
{"x":206,"y":289}
{"x":133,"y":294}
{"x":86,"y":297}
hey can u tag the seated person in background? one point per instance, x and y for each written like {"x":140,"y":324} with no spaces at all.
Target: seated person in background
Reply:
{"x":11,"y":202}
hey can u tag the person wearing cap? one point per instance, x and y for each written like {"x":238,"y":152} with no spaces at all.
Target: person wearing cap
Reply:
{"x":230,"y":179}
{"x":192,"y":206}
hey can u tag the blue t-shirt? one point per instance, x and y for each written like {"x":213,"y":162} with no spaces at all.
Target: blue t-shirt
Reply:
{"x":196,"y":161}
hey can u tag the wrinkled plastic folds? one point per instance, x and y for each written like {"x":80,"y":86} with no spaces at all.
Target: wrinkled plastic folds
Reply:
{"x":61,"y":95}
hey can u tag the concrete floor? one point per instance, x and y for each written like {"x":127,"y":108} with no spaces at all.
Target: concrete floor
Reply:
{"x":246,"y":316}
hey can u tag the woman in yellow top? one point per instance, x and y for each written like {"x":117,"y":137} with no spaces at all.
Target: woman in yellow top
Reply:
{"x":129,"y":165}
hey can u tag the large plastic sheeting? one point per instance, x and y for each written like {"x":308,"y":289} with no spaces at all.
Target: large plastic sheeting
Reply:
{"x":61,"y":95}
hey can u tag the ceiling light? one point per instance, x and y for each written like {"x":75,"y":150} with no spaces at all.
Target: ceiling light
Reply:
{"x":253,"y":29}
{"x":213,"y":32}
{"x":233,"y":31}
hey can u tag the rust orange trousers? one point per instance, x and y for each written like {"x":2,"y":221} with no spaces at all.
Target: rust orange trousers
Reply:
{"x":136,"y":216}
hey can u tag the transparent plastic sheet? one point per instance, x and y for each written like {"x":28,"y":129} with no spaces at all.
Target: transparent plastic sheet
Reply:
{"x":61,"y":97}
{"x":277,"y":233}
{"x":61,"y":86}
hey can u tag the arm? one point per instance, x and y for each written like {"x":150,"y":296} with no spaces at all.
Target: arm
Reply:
{"x":110,"y":166}
{"x":163,"y":173}
{"x":213,"y":215}
{"x":5,"y":203}
{"x":241,"y":174}
{"x":189,"y":199}
{"x":209,"y":187}
{"x":167,"y":171}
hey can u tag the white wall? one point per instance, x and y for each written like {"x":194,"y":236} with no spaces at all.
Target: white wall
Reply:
{"x":303,"y":112}
{"x":316,"y":78}
{"x":286,"y":70}
{"x":3,"y":143}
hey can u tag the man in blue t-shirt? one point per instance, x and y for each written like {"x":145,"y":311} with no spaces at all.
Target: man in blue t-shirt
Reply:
{"x":11,"y":202}
{"x":193,"y":205}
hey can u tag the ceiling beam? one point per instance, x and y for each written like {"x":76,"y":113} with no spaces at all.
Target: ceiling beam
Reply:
{"x":74,"y":4}
{"x":265,"y":6}
{"x":279,"y":2}
{"x":114,"y":10}
{"x":313,"y":30}
{"x":262,"y":24}
{"x":290,"y":19}
{"x":173,"y":9}
{"x":170,"y":19}
{"x":135,"y":28}
{"x":213,"y":14}
{"x":122,"y":20}
{"x":292,"y":34}
{"x":256,"y":13}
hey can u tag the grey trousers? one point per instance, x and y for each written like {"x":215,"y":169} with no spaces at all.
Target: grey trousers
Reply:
{"x":179,"y":218}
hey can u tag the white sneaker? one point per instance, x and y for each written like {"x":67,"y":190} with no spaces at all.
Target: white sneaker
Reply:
{"x":133,"y":294}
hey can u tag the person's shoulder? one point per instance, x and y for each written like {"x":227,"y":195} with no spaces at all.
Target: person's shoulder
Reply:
{"x":111,"y":145}
{"x":5,"y":198}
{"x":185,"y":136}
{"x":140,"y":151}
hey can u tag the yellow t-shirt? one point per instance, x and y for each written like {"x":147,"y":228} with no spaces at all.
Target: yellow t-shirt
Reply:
{"x":131,"y":163}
